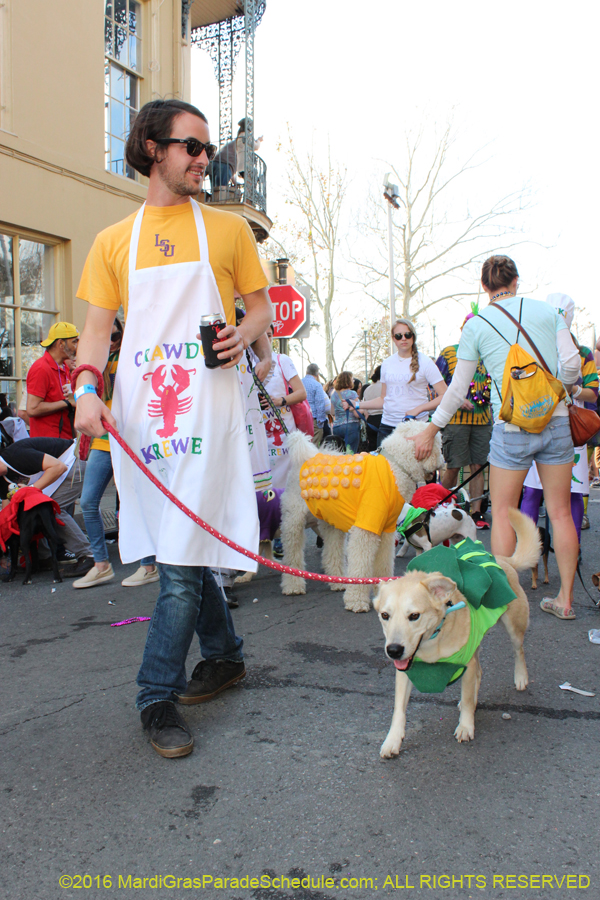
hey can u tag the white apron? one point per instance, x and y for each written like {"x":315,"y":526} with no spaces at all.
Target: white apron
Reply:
{"x":580,"y":479}
{"x":184,"y":421}
{"x":279,"y":454}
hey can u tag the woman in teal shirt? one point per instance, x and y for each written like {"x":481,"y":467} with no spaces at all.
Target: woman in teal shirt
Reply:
{"x":489,"y":336}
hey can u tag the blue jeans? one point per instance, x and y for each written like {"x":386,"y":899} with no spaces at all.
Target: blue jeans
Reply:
{"x":350,"y":433}
{"x":220,"y":174}
{"x":98,"y":473}
{"x":189,"y":601}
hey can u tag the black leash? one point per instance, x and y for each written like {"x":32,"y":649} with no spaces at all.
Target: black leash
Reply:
{"x":595,"y":602}
{"x":470,"y":478}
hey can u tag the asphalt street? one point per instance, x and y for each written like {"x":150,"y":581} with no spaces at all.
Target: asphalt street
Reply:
{"x":285,"y":778}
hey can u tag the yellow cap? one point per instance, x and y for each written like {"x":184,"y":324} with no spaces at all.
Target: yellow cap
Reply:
{"x":60,"y":331}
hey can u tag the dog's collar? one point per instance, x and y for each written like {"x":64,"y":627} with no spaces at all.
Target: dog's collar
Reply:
{"x":460,"y":605}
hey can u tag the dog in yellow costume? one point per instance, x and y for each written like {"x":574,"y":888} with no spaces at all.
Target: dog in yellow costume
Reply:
{"x":354,"y":490}
{"x":361,"y":496}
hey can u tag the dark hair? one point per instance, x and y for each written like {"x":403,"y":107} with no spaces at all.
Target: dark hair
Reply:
{"x":343,"y":382}
{"x":357,"y":384}
{"x":498,"y":272}
{"x":154,"y":120}
{"x":376,"y":374}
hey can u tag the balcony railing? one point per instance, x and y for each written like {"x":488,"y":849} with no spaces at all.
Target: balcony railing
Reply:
{"x":251,"y":189}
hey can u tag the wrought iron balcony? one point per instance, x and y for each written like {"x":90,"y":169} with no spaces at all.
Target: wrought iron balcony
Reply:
{"x":246,"y":195}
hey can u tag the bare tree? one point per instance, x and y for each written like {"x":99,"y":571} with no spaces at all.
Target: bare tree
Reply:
{"x":311,"y":239}
{"x":435,"y":251}
{"x":374,"y":338}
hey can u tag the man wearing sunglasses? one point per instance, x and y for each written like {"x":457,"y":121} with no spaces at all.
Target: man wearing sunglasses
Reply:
{"x":169,"y":264}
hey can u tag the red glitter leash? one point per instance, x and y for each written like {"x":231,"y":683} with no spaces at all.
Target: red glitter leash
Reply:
{"x":311,"y":576}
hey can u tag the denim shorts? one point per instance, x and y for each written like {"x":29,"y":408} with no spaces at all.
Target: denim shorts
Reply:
{"x":517,"y":450}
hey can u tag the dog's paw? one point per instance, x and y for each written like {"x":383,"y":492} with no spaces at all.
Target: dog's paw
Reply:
{"x":289,"y":590}
{"x":244,"y":579}
{"x":358,"y":607}
{"x":464,"y":733}
{"x":390,"y":747}
{"x":336,"y":586}
{"x":27,"y":581}
{"x":521,"y":680}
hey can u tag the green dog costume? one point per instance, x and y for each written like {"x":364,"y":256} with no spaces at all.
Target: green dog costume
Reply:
{"x":484,"y":586}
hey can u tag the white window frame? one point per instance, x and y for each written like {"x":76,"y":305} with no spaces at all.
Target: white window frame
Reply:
{"x":58,"y":263}
{"x":112,"y":64}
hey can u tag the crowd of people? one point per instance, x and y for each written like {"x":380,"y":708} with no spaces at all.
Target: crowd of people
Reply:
{"x":216,"y":437}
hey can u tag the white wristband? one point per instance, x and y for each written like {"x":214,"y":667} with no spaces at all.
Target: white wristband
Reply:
{"x":577,"y":391}
{"x":86,"y":389}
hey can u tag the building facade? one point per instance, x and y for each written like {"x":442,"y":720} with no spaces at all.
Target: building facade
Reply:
{"x":72,"y":74}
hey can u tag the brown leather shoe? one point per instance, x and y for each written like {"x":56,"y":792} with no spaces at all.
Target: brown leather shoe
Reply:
{"x":168,"y":730}
{"x":209,"y":678}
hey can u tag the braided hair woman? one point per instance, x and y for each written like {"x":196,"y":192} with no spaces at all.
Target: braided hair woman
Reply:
{"x":405,"y":378}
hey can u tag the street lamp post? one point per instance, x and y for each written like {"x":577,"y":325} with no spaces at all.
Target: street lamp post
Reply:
{"x":366,"y":363}
{"x":391,"y":194}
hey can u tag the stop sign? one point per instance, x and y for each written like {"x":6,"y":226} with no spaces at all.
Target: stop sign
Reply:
{"x":289,"y":310}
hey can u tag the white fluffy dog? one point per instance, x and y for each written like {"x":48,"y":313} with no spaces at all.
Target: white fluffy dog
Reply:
{"x":445,"y":523}
{"x":369,"y":554}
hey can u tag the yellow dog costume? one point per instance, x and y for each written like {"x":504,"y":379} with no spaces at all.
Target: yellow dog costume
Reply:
{"x":355,"y":490}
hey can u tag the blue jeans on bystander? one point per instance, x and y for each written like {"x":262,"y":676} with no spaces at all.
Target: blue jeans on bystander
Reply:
{"x":349,"y":433}
{"x":98,"y":472}
{"x":189,"y":601}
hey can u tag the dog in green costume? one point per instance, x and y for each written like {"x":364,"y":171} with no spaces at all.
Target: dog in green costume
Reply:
{"x":435,"y":617}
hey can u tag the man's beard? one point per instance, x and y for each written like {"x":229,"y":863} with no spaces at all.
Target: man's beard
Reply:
{"x":178,"y":185}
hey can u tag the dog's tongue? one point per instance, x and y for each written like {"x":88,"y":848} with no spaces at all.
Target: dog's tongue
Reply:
{"x":401,"y":664}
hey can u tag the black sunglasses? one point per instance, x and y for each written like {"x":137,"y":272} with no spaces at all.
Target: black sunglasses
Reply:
{"x":193,"y":146}
{"x":403,"y":334}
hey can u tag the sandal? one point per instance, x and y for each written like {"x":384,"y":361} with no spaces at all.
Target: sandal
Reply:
{"x":548,"y":605}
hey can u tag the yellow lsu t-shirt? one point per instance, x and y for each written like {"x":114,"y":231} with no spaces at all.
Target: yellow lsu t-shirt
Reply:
{"x":168,"y":235}
{"x":352,"y":490}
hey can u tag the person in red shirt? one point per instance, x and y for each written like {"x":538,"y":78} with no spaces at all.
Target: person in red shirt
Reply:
{"x":50,"y":403}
